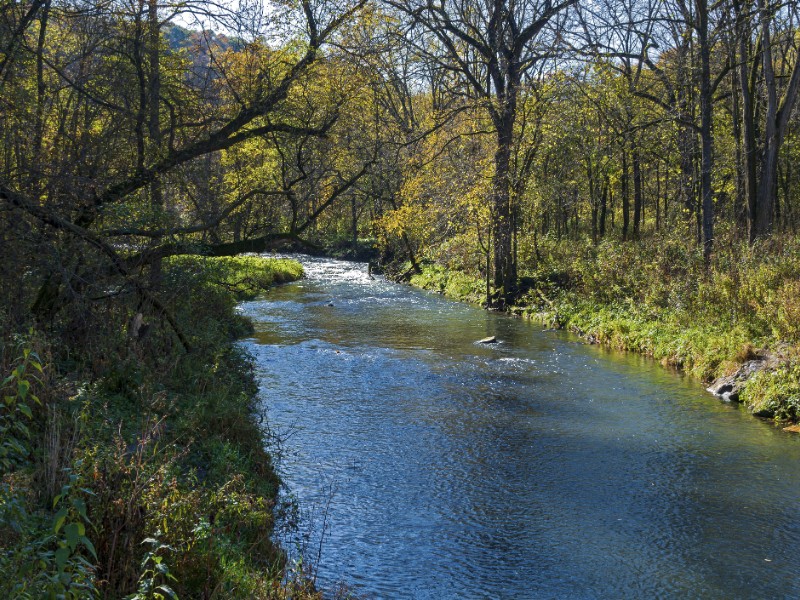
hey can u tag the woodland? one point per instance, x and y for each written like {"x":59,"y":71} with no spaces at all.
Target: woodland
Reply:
{"x":627,"y":169}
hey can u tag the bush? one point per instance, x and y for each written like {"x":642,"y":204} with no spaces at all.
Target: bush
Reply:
{"x":775,"y":394}
{"x":148,"y":505}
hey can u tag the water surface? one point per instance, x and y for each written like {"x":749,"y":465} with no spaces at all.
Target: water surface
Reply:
{"x":540,"y":467}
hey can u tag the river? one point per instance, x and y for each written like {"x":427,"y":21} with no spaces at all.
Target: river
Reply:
{"x":429,"y":466}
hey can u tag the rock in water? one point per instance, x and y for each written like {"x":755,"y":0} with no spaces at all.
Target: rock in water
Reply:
{"x":729,"y":387}
{"x":488,"y":340}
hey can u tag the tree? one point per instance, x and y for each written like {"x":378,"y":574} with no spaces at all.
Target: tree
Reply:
{"x":630,"y":34}
{"x":484,"y":51}
{"x":767,"y":33}
{"x":121,"y":123}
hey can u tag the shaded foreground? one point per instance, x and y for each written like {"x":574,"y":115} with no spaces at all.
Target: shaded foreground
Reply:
{"x":137,"y":468}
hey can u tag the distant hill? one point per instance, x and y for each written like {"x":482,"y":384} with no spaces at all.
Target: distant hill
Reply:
{"x":198,"y":42}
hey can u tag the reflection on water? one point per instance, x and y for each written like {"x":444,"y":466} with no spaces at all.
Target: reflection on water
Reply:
{"x":535,"y":468}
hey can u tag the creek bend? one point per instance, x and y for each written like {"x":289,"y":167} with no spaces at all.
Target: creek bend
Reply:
{"x":539,"y":467}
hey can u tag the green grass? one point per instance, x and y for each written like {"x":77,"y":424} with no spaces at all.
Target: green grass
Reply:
{"x":165,"y":460}
{"x":455,"y":285}
{"x":657,"y":298}
{"x":775,"y":393}
{"x":244,"y":276}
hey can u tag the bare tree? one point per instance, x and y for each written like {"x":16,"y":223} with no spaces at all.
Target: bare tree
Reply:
{"x":484,"y":50}
{"x":763,"y":29}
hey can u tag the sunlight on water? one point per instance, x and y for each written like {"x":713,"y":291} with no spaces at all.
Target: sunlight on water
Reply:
{"x":534,"y":468}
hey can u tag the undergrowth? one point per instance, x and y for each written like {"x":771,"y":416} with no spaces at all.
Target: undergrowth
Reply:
{"x":452,"y":284}
{"x":137,"y":469}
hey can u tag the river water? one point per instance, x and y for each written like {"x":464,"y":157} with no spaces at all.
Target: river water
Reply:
{"x":430,"y":466}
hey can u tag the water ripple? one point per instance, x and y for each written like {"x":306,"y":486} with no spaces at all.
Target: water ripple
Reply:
{"x":535,"y":468}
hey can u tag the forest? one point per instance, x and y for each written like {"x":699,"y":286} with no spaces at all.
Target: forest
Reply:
{"x":624,"y":169}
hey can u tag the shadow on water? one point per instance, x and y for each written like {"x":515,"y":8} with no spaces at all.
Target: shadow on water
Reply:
{"x":539,"y":467}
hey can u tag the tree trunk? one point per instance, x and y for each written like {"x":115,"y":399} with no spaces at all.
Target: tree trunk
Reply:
{"x":765,"y":202}
{"x":603,"y":208}
{"x":141,"y":77}
{"x":750,"y":153}
{"x":611,"y":206}
{"x":505,"y":273}
{"x":626,"y":201}
{"x":637,"y":194}
{"x":593,"y":201}
{"x":40,"y":85}
{"x":658,"y":196}
{"x":707,"y":142}
{"x":777,"y":119}
{"x":354,"y":223}
{"x":153,"y":122}
{"x":687,"y":141}
{"x":740,"y":202}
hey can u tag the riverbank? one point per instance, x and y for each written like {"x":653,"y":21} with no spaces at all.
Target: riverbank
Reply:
{"x":138,"y":467}
{"x":734,"y":327}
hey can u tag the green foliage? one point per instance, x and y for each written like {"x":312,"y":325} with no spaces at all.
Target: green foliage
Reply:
{"x":243,"y":276}
{"x":74,"y":573}
{"x":182,"y":460}
{"x":153,"y":582}
{"x":205,"y":290}
{"x":657,"y":298}
{"x":16,"y":410}
{"x":456,"y":285}
{"x":46,"y":554}
{"x":162,"y":446}
{"x":775,"y":393}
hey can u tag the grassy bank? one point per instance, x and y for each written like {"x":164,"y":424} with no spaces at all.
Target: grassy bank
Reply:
{"x":137,"y":469}
{"x":657,"y":298}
